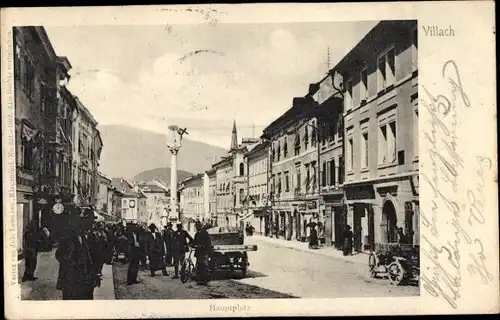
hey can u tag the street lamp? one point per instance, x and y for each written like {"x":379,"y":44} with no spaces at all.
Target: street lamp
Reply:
{"x":174,"y":143}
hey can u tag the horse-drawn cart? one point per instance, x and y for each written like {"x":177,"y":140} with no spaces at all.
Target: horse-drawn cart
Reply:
{"x":399,"y":262}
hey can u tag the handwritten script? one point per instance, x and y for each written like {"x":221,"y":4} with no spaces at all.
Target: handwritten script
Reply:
{"x":451,"y":257}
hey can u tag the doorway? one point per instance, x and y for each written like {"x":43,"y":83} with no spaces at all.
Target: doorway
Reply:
{"x":389,"y":223}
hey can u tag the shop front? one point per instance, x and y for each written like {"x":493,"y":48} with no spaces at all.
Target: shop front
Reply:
{"x":306,"y":213}
{"x":335,"y":217}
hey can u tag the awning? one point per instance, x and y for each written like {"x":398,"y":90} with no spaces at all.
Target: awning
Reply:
{"x":261,"y":213}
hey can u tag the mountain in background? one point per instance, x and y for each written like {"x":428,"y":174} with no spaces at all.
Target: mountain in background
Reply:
{"x":162,"y":174}
{"x":129,"y":151}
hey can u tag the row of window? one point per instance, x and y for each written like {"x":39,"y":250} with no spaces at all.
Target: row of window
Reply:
{"x":325,"y":133}
{"x":257,"y":167}
{"x":386,"y":71}
{"x":387,"y":151}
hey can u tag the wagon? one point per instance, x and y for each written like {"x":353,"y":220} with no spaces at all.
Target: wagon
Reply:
{"x":230,"y":254}
{"x":399,"y":262}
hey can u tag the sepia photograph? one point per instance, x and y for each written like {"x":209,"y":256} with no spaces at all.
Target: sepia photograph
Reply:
{"x":249,"y":160}
{"x":282,"y":166}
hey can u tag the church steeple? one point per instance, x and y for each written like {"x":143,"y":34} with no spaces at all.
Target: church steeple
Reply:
{"x":234,"y":137}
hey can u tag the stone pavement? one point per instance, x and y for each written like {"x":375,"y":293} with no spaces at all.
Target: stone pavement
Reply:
{"x":304,"y":246}
{"x":44,"y":288}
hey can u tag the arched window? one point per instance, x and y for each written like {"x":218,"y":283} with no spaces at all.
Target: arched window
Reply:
{"x":242,"y":169}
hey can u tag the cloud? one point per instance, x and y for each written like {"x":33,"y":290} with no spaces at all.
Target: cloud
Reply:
{"x":254,"y":79}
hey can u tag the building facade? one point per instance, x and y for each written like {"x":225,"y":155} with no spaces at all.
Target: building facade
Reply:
{"x":212,"y":197}
{"x":127,"y":201}
{"x":380,"y":76}
{"x":224,"y":193}
{"x":294,"y":172}
{"x":102,"y":205}
{"x":157,"y":200}
{"x":329,"y":127}
{"x":84,"y":156}
{"x":192,"y":200}
{"x":257,"y":211}
{"x":42,"y":122}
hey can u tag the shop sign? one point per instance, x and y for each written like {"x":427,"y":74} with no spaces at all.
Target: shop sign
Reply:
{"x":42,"y":201}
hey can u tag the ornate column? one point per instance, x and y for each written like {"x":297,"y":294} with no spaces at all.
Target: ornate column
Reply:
{"x":174,"y":144}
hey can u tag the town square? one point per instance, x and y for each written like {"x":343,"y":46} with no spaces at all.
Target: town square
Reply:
{"x":202,"y":166}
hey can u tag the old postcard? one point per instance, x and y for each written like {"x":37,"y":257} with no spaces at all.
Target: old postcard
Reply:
{"x":249,"y":160}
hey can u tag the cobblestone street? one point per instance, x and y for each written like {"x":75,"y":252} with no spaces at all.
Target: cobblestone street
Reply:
{"x":164,"y":287}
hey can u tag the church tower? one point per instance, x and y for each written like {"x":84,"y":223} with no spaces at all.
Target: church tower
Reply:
{"x":234,"y":138}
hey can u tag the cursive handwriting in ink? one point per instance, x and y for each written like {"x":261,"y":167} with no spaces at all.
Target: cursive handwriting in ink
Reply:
{"x":455,"y":82}
{"x":442,"y":282}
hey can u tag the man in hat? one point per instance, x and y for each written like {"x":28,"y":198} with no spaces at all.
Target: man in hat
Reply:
{"x":134,"y":254}
{"x":179,"y":247}
{"x":202,"y":252}
{"x":78,"y":274}
{"x":168,"y":238}
{"x":31,"y":242}
{"x":156,"y":251}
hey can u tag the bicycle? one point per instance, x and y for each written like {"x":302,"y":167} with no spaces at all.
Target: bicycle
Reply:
{"x":188,"y":269}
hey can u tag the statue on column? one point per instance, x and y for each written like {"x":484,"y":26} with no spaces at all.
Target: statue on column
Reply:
{"x":175,"y":138}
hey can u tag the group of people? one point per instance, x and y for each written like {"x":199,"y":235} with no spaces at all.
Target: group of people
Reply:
{"x":86,"y":245}
{"x":165,"y":249}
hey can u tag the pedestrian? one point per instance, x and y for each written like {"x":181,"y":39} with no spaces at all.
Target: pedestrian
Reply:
{"x":78,"y":274}
{"x":168,"y":237}
{"x":134,"y":254}
{"x":179,"y":247}
{"x":348,"y":241}
{"x":202,"y":253}
{"x":110,"y":244}
{"x":31,"y":242}
{"x":313,"y":238}
{"x":156,"y":251}
{"x":101,"y":243}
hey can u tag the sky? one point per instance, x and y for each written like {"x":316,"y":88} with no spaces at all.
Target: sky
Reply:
{"x":200,"y":76}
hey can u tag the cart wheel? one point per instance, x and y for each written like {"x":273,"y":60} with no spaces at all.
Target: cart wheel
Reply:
{"x":372,"y":264}
{"x":396,"y":273}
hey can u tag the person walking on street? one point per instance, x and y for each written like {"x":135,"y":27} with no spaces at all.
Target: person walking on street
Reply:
{"x":134,"y":254}
{"x":101,"y":245}
{"x":202,"y":253}
{"x":156,"y":251}
{"x":348,"y":241}
{"x":179,"y":247}
{"x":78,"y":274}
{"x":31,"y":242}
{"x":168,"y":238}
